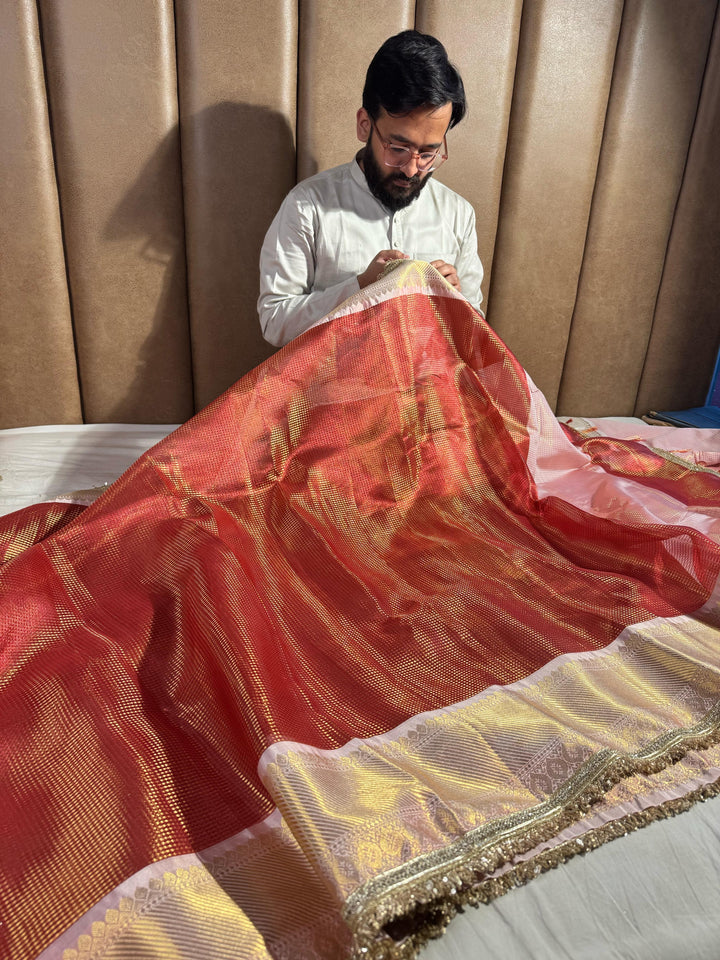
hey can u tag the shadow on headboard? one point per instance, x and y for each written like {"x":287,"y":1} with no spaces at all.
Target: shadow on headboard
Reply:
{"x":227,"y":211}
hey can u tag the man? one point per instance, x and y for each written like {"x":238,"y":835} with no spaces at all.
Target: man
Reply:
{"x":335,"y":232}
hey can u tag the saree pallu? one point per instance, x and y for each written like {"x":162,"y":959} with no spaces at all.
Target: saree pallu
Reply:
{"x":369,"y":638}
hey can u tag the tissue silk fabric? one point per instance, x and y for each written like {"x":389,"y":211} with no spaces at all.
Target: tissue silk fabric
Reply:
{"x":366,"y":639}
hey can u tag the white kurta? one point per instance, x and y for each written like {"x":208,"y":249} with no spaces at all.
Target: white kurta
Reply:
{"x":330,"y":227}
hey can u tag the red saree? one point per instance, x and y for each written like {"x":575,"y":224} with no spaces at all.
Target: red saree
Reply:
{"x":368,"y":638}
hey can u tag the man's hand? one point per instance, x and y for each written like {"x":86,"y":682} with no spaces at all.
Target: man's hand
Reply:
{"x":377,"y":265}
{"x":448,"y":271}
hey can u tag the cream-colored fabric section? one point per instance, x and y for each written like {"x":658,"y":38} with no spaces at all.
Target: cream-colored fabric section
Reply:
{"x":656,"y":85}
{"x":113,"y":98}
{"x":482,"y":42}
{"x":686,"y":329}
{"x":562,"y":84}
{"x":337,"y":41}
{"x":37,"y":358}
{"x":401,"y":822}
{"x":237,"y":66}
{"x":251,"y":897}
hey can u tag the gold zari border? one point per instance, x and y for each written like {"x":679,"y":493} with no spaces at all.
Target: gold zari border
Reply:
{"x":393,"y":915}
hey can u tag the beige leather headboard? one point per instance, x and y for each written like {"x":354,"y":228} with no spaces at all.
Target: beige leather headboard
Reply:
{"x":145,"y":146}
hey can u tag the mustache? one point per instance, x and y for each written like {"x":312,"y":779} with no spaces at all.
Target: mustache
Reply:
{"x":401,"y":176}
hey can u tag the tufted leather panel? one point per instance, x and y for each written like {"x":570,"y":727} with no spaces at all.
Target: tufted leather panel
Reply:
{"x":656,"y":86}
{"x":37,"y":358}
{"x":173,"y":133}
{"x":482,"y":40}
{"x":563,"y":79}
{"x":113,"y":97}
{"x":237,"y":67}
{"x":337,"y":42}
{"x":685,"y":334}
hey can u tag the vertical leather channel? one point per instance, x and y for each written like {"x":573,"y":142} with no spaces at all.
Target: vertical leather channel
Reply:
{"x":686,"y":329}
{"x":598,"y":249}
{"x":656,"y":86}
{"x":565,"y":60}
{"x":113,"y":94}
{"x":338,"y":39}
{"x":237,"y":78}
{"x":481,"y":40}
{"x":37,"y":358}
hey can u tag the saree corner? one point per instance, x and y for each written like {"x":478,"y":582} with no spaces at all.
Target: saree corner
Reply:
{"x":394,"y":915}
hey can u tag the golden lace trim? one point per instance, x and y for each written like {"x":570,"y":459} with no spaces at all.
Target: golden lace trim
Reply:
{"x":676,"y":458}
{"x":392,"y":916}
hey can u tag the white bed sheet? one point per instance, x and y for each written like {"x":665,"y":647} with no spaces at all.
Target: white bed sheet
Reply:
{"x":44,"y":463}
{"x":651,"y":895}
{"x":47,"y":462}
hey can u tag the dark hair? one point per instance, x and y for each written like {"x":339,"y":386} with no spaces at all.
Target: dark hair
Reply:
{"x":412,"y":70}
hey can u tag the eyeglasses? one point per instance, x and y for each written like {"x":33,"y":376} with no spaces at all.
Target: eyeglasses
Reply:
{"x":398,"y":155}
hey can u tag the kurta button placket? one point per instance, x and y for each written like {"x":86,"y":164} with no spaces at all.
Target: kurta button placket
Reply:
{"x":397,"y":224}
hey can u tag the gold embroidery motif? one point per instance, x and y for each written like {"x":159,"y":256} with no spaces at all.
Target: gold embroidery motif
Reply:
{"x":393,"y":915}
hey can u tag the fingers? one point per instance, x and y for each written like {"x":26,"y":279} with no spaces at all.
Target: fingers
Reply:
{"x":448,"y":271}
{"x":443,"y":268}
{"x":377,"y":265}
{"x":379,"y":261}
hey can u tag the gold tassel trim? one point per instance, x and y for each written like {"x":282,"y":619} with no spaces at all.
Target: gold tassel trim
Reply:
{"x":393,"y":915}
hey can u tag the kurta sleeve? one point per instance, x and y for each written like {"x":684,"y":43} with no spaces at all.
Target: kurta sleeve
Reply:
{"x":288,"y":305}
{"x":469,"y":267}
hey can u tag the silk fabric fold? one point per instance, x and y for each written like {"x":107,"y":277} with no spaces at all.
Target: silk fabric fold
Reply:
{"x":368,"y":638}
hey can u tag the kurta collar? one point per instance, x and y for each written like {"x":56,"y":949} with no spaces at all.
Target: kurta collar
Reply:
{"x":358,"y":175}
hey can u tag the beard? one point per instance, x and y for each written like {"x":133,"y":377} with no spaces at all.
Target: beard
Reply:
{"x":383,"y":187}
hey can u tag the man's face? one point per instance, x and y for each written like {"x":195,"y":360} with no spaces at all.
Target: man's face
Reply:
{"x":421,"y":130}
